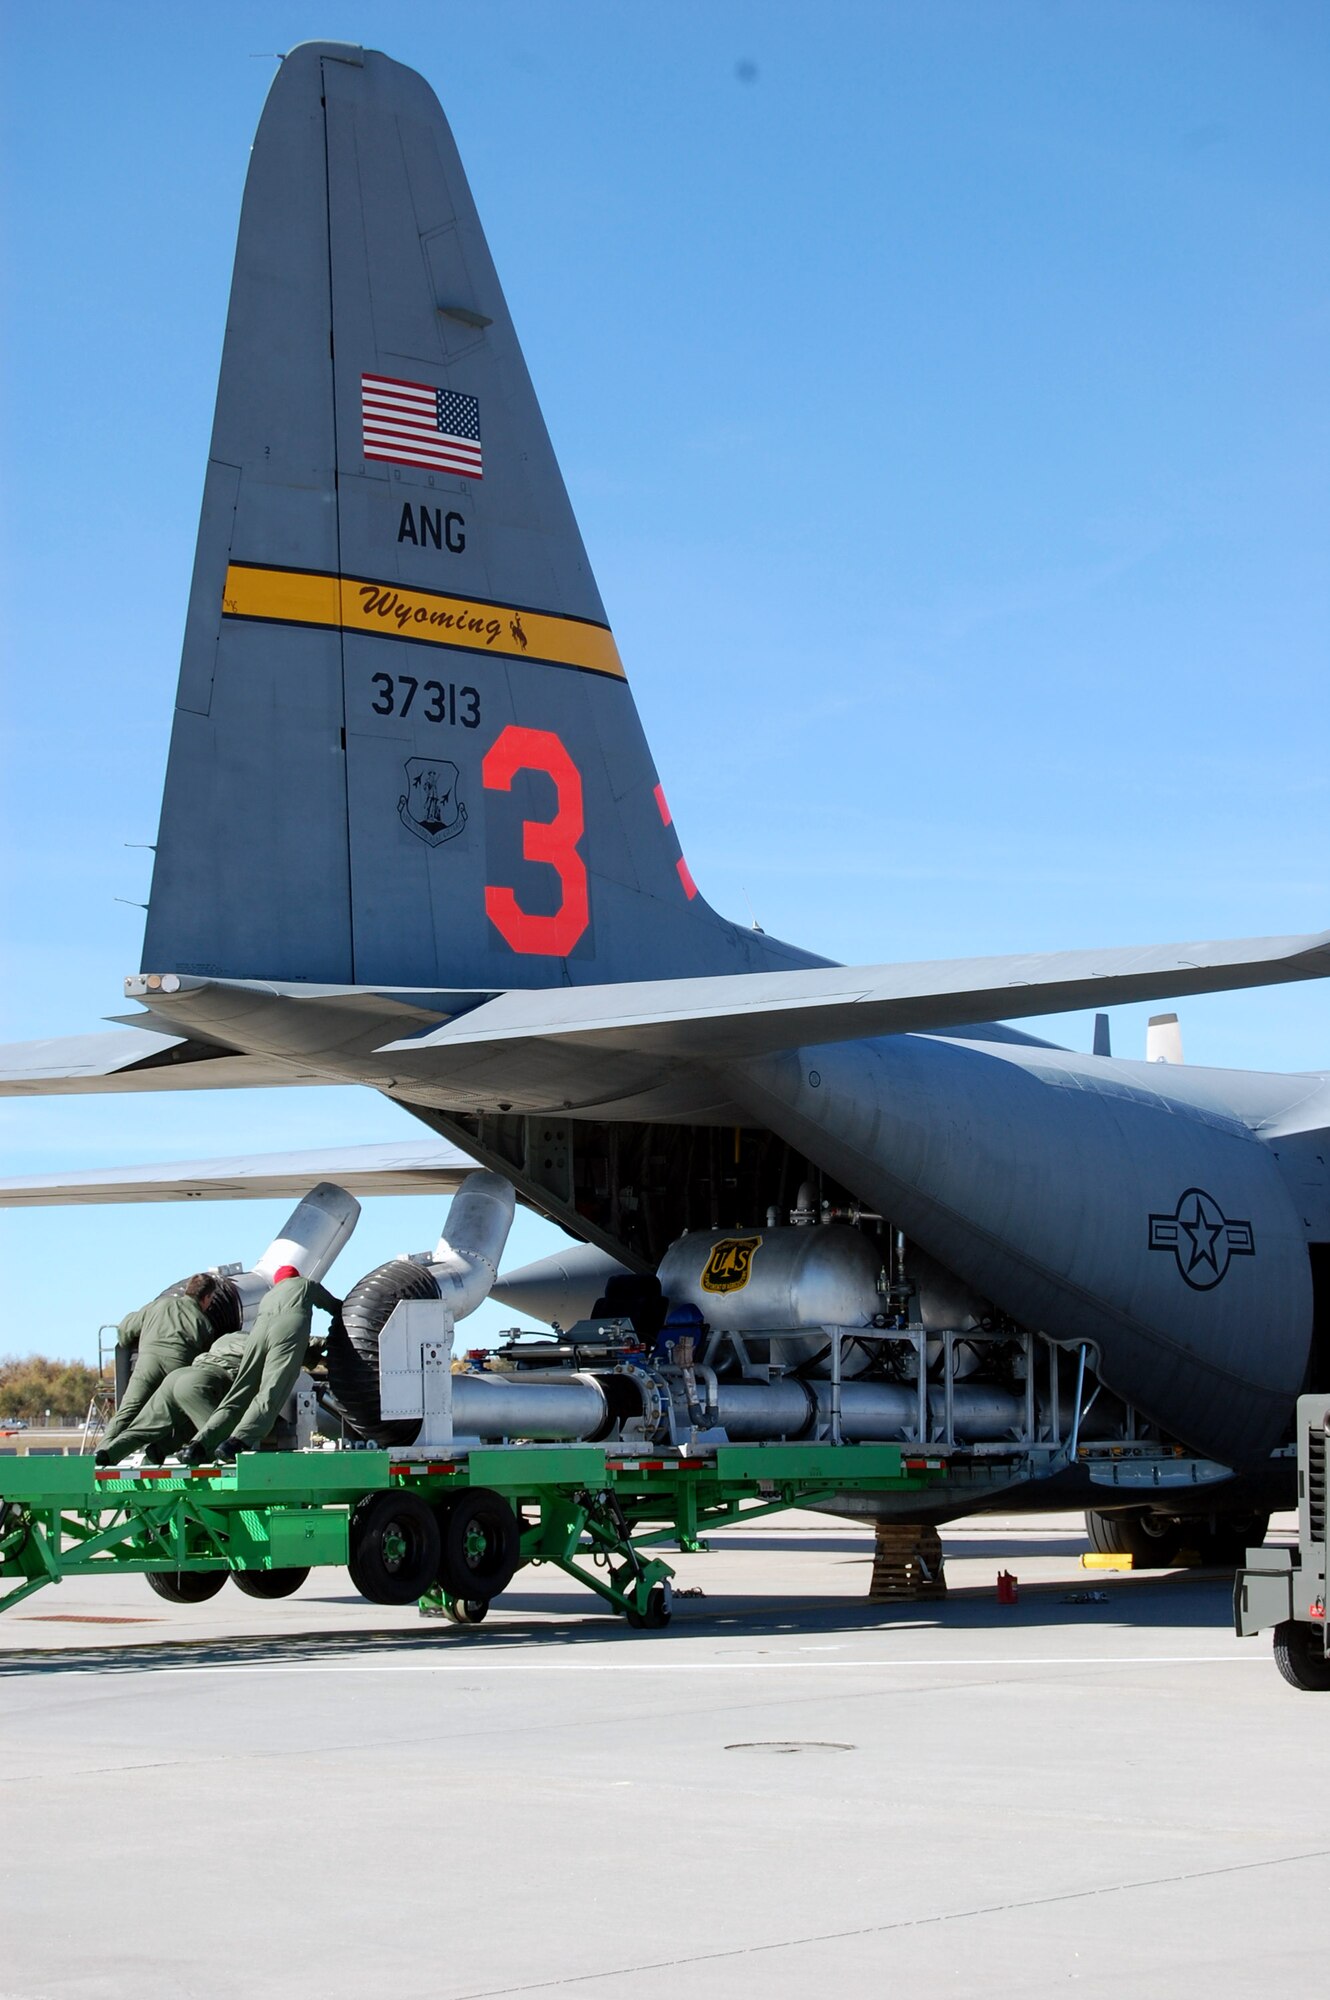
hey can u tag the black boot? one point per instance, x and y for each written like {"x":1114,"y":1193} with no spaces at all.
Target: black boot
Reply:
{"x":226,"y":1451}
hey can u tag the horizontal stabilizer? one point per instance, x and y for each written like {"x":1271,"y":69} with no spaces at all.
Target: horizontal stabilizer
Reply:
{"x":733,"y":1018}
{"x":412,"y":1166}
{"x":134,"y":1059}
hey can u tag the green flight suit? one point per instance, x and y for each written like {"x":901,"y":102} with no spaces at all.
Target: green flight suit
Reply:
{"x":274,"y":1356}
{"x":184,"y":1401}
{"x":170,"y":1333}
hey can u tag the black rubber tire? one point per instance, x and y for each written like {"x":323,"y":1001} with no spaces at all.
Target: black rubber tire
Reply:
{"x":1151,"y":1540}
{"x":394,"y":1548}
{"x":657,"y":1614}
{"x":480,"y":1544}
{"x":1225,"y":1545}
{"x":353,"y":1348}
{"x":1300,"y":1657}
{"x":269,"y":1583}
{"x":186,"y":1586}
{"x":469,"y":1610}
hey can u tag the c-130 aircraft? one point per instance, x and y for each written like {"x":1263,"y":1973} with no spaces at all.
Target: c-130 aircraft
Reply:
{"x":413,"y":838}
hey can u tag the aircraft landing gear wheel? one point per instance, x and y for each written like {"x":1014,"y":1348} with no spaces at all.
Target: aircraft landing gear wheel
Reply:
{"x":469,"y":1610}
{"x":1151,"y":1540}
{"x":268,"y":1583}
{"x":659,"y":1611}
{"x":1300,"y":1657}
{"x":1226,"y":1544}
{"x":186,"y":1586}
{"x":394,"y":1548}
{"x":481,"y":1545}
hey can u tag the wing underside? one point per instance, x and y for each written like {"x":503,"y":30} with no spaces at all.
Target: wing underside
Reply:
{"x":399,"y":1167}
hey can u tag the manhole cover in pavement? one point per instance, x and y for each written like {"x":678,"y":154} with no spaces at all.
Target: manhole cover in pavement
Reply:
{"x":788,"y":1749}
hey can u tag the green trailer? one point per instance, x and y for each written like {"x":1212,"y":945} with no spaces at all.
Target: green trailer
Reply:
{"x":449,"y":1529}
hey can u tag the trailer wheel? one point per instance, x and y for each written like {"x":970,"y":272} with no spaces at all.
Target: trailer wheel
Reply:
{"x":469,"y":1610}
{"x":394,"y":1548}
{"x":480,"y":1544}
{"x":1300,"y":1657}
{"x":1151,"y":1540}
{"x":268,"y":1583}
{"x":186,"y":1586}
{"x":658,"y":1613}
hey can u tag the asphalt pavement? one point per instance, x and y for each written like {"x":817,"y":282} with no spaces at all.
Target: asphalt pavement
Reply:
{"x":789,"y":1792}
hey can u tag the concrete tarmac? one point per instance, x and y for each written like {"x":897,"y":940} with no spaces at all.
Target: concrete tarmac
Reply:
{"x":788,"y":1793}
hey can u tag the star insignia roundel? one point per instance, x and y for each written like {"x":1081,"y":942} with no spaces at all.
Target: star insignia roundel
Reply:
{"x":1202,"y":1239}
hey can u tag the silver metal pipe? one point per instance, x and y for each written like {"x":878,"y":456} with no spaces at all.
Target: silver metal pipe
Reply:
{"x":1073,"y":1441}
{"x":314,"y":1233}
{"x":475,"y":1230}
{"x":498,"y":1406}
{"x":750,"y":1411}
{"x":869,"y":1411}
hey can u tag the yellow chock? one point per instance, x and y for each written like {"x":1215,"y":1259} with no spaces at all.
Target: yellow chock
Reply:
{"x":1106,"y":1562}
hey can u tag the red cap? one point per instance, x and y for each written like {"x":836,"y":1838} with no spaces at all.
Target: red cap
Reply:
{"x":284,"y":1271}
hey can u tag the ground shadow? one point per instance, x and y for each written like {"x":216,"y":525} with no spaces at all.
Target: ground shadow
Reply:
{"x":1181,"y":1600}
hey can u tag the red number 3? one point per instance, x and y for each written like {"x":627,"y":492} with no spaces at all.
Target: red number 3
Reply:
{"x":551,"y":841}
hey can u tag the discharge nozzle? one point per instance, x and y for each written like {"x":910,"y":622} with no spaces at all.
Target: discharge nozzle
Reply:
{"x":466,"y":1257}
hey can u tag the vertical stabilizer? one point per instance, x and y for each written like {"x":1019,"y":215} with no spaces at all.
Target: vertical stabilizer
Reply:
{"x":404,"y":751}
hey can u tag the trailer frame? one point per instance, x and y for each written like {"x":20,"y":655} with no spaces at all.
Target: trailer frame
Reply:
{"x":597,"y":1513}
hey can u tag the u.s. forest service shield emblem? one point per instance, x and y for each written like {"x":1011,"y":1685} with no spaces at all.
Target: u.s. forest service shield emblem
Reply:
{"x":430,"y":807}
{"x":730,"y":1264}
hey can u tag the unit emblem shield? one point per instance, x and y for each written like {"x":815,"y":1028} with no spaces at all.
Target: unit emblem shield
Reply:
{"x":730,"y":1264}
{"x":430,"y":807}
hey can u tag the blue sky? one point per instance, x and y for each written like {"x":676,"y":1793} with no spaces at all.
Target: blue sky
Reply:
{"x":955,"y":376}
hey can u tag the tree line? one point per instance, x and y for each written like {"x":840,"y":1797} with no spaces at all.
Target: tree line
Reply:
{"x":31,"y":1385}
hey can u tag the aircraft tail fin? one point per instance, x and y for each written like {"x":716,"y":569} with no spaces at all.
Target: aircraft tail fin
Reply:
{"x":404,"y":750}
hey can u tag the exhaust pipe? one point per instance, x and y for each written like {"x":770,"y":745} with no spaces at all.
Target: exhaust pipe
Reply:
{"x":465,"y":1263}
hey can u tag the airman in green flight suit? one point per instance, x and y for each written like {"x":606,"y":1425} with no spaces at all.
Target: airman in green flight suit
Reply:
{"x":273,"y":1357}
{"x":170,"y":1332}
{"x":181,"y":1404}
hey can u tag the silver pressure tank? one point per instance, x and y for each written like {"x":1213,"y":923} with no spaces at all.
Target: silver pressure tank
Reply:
{"x":775,"y":1280}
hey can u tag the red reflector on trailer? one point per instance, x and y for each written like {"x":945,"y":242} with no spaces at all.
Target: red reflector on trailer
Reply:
{"x":1318,"y":1610}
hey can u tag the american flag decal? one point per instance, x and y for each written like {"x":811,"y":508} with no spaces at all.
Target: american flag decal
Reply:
{"x":408,"y":423}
